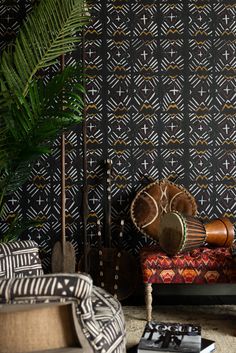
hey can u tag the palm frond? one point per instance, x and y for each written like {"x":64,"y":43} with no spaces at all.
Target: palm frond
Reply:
{"x":32,"y":114}
{"x":16,"y":228}
{"x":12,"y":181}
{"x":49,"y":32}
{"x":3,"y":151}
{"x":38,"y":118}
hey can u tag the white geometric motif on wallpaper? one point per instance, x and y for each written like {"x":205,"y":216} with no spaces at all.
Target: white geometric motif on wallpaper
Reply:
{"x":173,"y":162}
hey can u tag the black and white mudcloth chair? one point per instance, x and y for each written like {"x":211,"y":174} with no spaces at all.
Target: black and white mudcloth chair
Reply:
{"x":55,"y":312}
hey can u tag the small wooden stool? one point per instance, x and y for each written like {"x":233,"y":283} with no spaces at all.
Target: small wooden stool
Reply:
{"x":200,"y":266}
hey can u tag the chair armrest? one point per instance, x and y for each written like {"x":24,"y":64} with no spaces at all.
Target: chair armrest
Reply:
{"x":53,"y":287}
{"x":61,"y":288}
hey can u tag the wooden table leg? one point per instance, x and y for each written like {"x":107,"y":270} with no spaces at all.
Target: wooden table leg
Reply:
{"x":148,"y":300}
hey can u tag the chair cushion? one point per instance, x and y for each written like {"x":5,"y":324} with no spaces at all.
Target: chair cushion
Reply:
{"x":20,"y":259}
{"x":98,"y":312}
{"x":201,"y":265}
{"x":109,"y":315}
{"x":53,"y":287}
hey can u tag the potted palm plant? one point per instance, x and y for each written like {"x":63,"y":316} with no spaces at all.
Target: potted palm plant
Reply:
{"x":32,"y":112}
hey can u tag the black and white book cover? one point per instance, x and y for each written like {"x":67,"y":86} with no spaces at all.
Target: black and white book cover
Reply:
{"x":207,"y":346}
{"x":170,"y":337}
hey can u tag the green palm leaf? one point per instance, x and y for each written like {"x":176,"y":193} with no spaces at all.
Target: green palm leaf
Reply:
{"x":43,"y":108}
{"x":49,"y":32}
{"x":32,"y":114}
{"x":16,"y":227}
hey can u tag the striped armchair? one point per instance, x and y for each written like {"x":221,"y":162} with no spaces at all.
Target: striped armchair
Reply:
{"x":53,"y":313}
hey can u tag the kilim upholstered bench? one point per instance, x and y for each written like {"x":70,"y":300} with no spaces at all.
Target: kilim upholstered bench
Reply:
{"x":200,"y":266}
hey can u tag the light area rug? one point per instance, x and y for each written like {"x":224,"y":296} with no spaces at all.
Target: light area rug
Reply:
{"x":218,"y":322}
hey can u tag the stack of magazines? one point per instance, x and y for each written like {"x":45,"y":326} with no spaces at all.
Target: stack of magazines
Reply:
{"x":174,"y":337}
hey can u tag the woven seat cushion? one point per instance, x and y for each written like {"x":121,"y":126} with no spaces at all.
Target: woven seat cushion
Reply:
{"x":201,"y":265}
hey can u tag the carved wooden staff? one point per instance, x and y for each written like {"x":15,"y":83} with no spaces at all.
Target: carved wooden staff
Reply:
{"x":121,"y":233}
{"x":115,"y":264}
{"x":85,"y":173}
{"x":63,"y":253}
{"x":99,"y":233}
{"x":111,"y":267}
{"x":108,"y":211}
{"x":85,"y":219}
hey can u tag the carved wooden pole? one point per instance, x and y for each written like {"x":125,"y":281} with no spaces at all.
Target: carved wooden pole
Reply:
{"x":108,"y":239}
{"x":148,"y":299}
{"x":85,"y":172}
{"x":121,"y":233}
{"x":99,"y":233}
{"x":63,"y":187}
{"x":63,"y":252}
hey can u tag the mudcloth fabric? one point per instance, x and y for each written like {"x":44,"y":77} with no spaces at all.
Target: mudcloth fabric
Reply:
{"x":20,"y":259}
{"x":99,"y":314}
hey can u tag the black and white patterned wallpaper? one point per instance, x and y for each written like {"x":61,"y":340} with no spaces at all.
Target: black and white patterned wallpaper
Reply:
{"x":160,"y":102}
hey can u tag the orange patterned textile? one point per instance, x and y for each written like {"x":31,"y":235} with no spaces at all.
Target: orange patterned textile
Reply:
{"x":201,"y":265}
